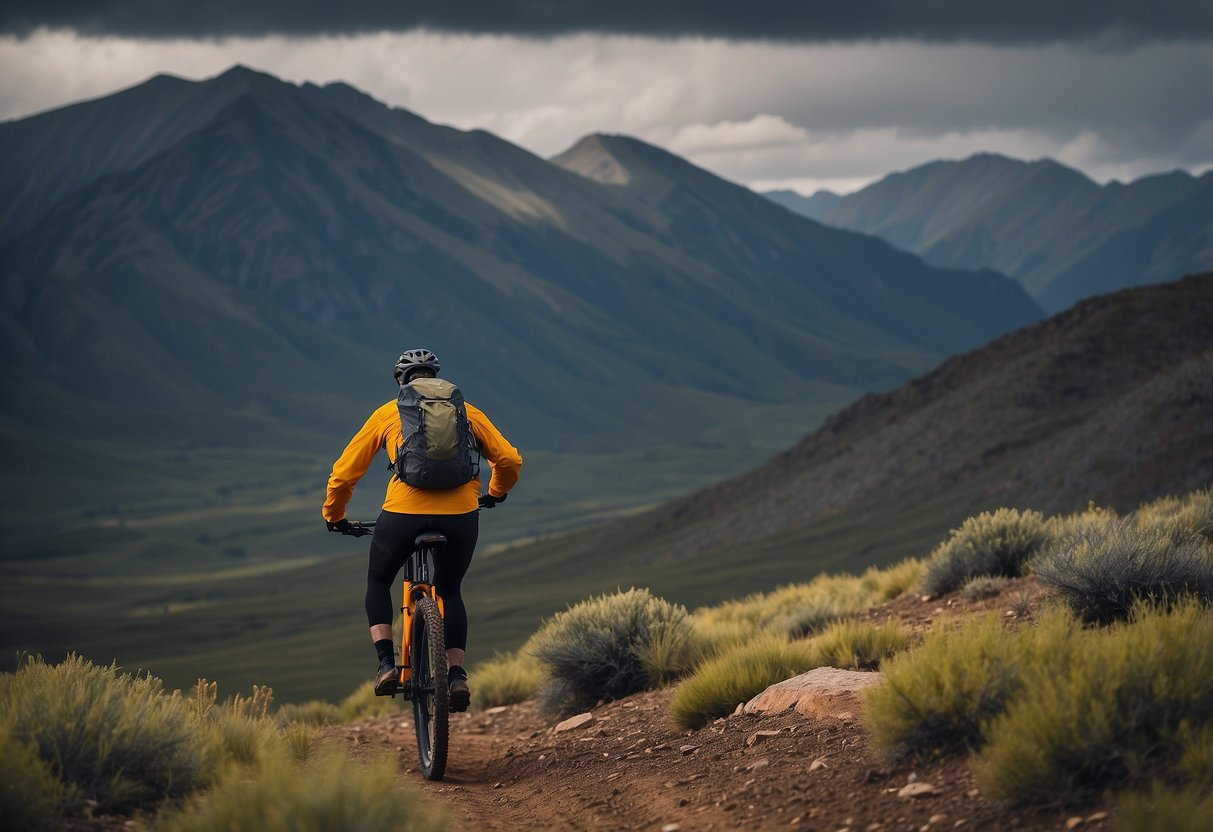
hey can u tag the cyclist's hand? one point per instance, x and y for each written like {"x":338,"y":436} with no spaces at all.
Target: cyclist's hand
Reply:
{"x":346,"y":527}
{"x":488,"y":500}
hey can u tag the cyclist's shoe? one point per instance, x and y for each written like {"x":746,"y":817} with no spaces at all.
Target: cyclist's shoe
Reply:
{"x":457,"y":684}
{"x":387,"y":681}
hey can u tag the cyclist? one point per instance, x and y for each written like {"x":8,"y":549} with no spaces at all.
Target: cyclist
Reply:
{"x":408,"y":511}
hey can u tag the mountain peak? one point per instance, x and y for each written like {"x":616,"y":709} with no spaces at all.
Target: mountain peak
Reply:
{"x":241,"y":71}
{"x":595,"y":157}
{"x":615,"y":159}
{"x":241,"y":77}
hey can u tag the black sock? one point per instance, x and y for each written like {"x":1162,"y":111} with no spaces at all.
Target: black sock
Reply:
{"x":456,"y":670}
{"x":386,"y":651}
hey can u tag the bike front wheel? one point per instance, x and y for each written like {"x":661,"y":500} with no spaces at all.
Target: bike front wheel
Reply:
{"x":431,"y":697}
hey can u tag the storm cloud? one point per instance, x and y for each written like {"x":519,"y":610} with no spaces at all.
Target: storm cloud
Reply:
{"x":764,"y":114}
{"x":1114,"y":22}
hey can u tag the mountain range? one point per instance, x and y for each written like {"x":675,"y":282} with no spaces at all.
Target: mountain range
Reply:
{"x":236,"y":262}
{"x":1061,"y":235}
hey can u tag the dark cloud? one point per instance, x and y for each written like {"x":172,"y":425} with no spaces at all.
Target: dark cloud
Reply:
{"x":988,"y":21}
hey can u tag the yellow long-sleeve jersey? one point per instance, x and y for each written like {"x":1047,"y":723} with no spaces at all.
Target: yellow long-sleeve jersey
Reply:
{"x":382,"y":432}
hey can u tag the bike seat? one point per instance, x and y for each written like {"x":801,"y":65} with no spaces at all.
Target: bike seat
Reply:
{"x":429,"y":540}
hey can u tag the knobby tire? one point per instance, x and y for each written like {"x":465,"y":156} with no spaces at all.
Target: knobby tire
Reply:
{"x":431,"y":697}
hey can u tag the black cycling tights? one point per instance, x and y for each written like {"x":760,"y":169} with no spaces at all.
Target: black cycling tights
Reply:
{"x":391,"y":546}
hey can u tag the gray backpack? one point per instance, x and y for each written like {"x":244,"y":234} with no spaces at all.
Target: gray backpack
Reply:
{"x":439,"y":449}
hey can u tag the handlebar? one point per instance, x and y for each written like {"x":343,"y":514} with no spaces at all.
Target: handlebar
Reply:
{"x":357,"y":529}
{"x":360,"y":529}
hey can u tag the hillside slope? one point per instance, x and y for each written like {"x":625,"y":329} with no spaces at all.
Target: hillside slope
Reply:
{"x":1111,"y":401}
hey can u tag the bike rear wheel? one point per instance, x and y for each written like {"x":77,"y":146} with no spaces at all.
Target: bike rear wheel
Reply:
{"x":431,"y":697}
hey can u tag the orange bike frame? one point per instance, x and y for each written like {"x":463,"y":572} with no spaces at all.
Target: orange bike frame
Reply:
{"x":410,"y":595}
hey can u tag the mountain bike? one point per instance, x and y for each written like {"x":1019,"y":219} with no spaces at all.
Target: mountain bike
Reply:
{"x":423,"y":652}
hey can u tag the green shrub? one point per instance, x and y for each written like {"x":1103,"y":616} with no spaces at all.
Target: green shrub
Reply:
{"x":859,"y":645}
{"x":330,"y":793}
{"x":737,"y":675}
{"x":713,"y":634}
{"x":796,"y":610}
{"x":300,"y":742}
{"x":240,"y":734}
{"x":111,"y":737}
{"x":1196,"y":753}
{"x":668,"y":654}
{"x":236,"y":739}
{"x":988,"y":544}
{"x":359,"y":705}
{"x":800,"y":610}
{"x":30,"y":795}
{"x":505,"y":679}
{"x":1113,"y":711}
{"x":1068,"y":525}
{"x":1180,"y":517}
{"x":256,"y":706}
{"x":983,"y":586}
{"x":1173,"y":810}
{"x":603,"y":649}
{"x":314,"y":712}
{"x":813,"y":615}
{"x":887,"y":584}
{"x":1101,"y":571}
{"x":938,"y":696}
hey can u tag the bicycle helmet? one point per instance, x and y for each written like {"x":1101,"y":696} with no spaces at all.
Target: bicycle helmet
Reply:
{"x":411,"y":360}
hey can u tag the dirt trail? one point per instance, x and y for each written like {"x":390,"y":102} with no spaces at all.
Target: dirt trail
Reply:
{"x":630,"y":769}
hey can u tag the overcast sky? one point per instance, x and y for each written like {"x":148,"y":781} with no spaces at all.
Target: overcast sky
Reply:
{"x":771,"y":94}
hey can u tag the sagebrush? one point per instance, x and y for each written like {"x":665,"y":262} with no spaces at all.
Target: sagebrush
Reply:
{"x":1181,"y":517}
{"x":859,"y":645}
{"x":359,"y":705}
{"x":800,"y":610}
{"x":738,"y":674}
{"x":505,"y":679}
{"x":1164,"y":808}
{"x":1116,"y":710}
{"x":1102,"y":570}
{"x":111,"y":737}
{"x":992,"y":543}
{"x":1058,"y":711}
{"x":329,"y":793}
{"x":78,"y":735}
{"x":606,"y":648}
{"x":984,"y":586}
{"x":937,"y":697}
{"x":30,"y":793}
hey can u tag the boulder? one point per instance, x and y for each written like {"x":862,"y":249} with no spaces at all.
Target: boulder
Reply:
{"x":574,"y":722}
{"x":820,"y":693}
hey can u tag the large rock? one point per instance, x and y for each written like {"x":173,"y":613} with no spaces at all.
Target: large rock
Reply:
{"x":823,"y":692}
{"x":574,"y":722}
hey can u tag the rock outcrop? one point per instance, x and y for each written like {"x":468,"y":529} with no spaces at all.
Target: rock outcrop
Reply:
{"x":824,"y":692}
